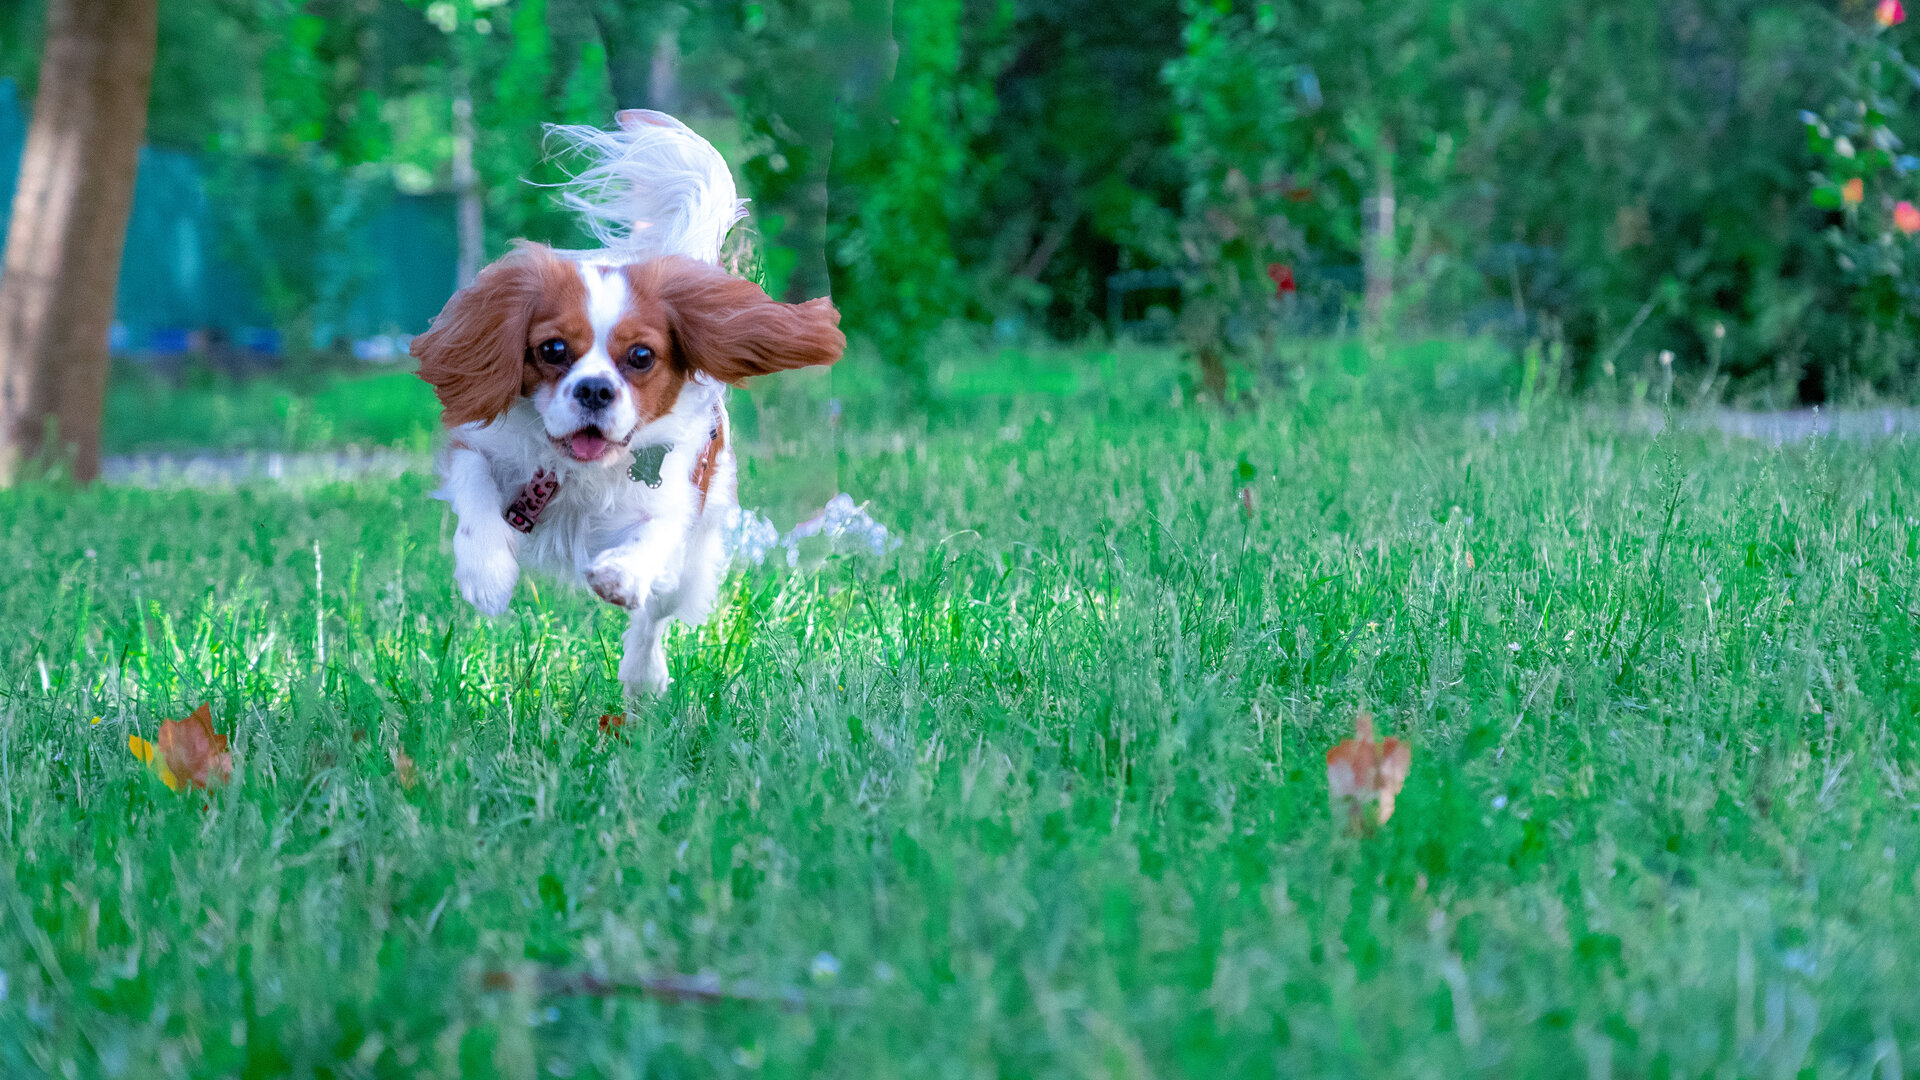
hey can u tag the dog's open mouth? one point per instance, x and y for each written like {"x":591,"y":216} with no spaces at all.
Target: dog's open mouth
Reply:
{"x":588,"y":444}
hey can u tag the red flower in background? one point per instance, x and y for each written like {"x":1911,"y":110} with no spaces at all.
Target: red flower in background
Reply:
{"x":1890,"y":13}
{"x":1282,"y":276}
{"x":1906,"y":218}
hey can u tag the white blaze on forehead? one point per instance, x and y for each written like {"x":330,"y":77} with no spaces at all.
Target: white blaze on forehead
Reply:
{"x":606,"y":300}
{"x":562,"y":411}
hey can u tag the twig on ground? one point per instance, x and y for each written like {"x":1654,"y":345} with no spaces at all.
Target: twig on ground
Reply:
{"x":703,"y":989}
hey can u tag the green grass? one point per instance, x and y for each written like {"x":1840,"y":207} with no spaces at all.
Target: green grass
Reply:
{"x":1047,"y":783}
{"x":146,"y":413}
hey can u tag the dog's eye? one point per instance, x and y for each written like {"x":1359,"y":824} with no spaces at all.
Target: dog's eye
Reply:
{"x":640,"y":358}
{"x":554,"y":351}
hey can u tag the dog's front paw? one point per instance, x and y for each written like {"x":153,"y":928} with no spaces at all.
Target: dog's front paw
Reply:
{"x":486,"y":570}
{"x":644,"y":670}
{"x":617,"y":581}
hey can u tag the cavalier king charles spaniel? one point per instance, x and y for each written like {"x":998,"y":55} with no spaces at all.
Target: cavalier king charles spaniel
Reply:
{"x":584,"y":392}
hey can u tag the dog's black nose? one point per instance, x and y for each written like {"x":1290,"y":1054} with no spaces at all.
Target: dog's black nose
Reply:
{"x":593,"y":393}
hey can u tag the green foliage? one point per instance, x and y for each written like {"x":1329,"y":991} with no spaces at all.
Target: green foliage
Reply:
{"x":802,"y":63}
{"x":1551,"y":167}
{"x":20,"y":34}
{"x":1607,"y":178}
{"x":1865,"y":184}
{"x":902,"y":173}
{"x":1076,"y":145}
{"x":1663,"y":171}
{"x":1045,"y":785}
{"x":1234,"y":94}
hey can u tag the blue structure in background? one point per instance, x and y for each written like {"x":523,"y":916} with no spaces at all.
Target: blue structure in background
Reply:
{"x":175,"y":289}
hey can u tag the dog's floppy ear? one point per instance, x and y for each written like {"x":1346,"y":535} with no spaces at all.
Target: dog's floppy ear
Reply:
{"x":729,"y":328}
{"x":475,"y":353}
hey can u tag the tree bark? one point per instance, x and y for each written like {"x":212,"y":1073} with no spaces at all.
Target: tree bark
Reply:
{"x":1379,"y":256}
{"x":629,"y":32}
{"x":663,"y":75}
{"x":470,"y":211}
{"x":69,"y":225}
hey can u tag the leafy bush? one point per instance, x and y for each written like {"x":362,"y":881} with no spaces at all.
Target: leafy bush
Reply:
{"x":1865,"y":182}
{"x":1627,"y":177}
{"x":1619,"y":177}
{"x":1234,"y":91}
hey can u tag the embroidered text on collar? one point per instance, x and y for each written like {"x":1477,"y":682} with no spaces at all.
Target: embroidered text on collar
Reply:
{"x":523,"y":513}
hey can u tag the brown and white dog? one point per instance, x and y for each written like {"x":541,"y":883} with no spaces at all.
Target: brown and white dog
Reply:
{"x":554,"y":369}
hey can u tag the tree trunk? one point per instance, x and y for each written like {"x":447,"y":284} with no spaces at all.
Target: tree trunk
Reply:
{"x":663,"y":75}
{"x":69,"y":225}
{"x":1380,"y":254}
{"x":471,"y":251}
{"x":630,"y":32}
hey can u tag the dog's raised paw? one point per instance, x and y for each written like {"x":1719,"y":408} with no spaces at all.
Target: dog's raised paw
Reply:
{"x":616,"y":583}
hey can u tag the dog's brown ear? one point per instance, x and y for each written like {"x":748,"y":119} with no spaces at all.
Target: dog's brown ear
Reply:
{"x":729,"y":328}
{"x":474,"y":355}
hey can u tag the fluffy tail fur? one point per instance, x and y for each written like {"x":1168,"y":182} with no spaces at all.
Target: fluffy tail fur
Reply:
{"x":651,"y":188}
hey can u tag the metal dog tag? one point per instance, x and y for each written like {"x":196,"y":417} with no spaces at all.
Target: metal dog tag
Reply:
{"x":647,"y":461}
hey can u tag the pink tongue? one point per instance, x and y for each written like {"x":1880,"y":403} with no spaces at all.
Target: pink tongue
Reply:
{"x":587,"y":447}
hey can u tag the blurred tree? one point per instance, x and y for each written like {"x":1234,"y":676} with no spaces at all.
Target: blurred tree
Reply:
{"x":1624,"y":176}
{"x":805,"y":64}
{"x":1628,"y":176}
{"x":68,"y":227}
{"x":904,"y":183}
{"x":1074,"y":149}
{"x":642,"y":47}
{"x":1235,"y":91}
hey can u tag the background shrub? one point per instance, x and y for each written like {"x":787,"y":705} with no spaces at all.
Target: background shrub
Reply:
{"x":1618,"y":178}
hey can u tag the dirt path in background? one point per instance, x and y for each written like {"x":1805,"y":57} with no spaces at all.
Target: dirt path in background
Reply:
{"x":1793,"y":425}
{"x":215,"y":469}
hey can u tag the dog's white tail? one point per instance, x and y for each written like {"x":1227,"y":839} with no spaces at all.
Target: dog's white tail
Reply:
{"x":652,"y":188}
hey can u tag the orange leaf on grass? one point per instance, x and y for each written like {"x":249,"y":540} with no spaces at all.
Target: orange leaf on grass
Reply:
{"x":403,"y":769}
{"x":186,"y":752}
{"x":1363,"y":775}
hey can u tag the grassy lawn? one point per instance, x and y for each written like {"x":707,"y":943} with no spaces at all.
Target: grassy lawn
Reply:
{"x":147,"y":413}
{"x":1041,"y":793}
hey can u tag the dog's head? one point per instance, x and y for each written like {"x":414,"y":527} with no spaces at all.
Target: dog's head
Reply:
{"x":604,"y":350}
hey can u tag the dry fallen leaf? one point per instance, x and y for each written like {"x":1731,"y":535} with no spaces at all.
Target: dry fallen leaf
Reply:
{"x":403,"y":769}
{"x":186,"y":752}
{"x":611,"y":723}
{"x":1362,"y":773}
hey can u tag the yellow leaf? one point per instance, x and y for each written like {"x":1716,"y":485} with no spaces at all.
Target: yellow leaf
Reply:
{"x":144,"y":750}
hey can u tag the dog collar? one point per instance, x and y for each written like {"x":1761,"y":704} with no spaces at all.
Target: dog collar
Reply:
{"x":523,"y":513}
